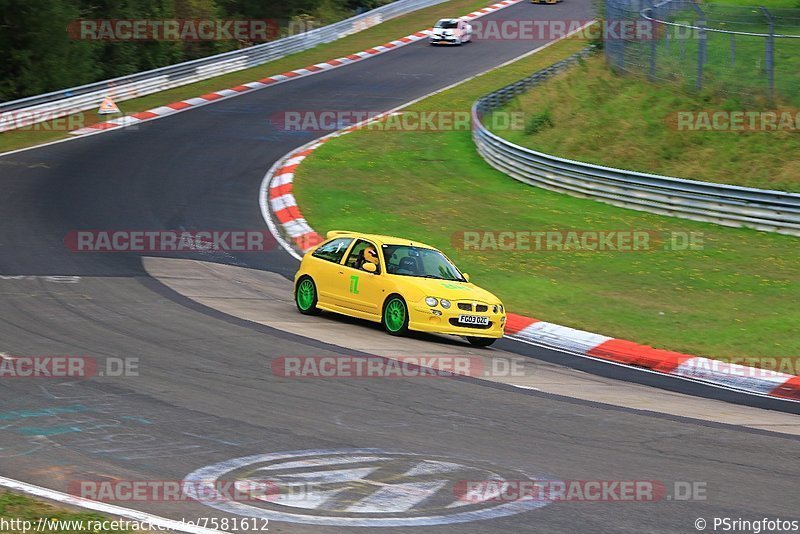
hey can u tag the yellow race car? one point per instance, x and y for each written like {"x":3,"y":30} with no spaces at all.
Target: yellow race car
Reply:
{"x":405,"y":285}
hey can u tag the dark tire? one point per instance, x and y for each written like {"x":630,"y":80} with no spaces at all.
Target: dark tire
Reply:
{"x":305,"y":296}
{"x":395,"y":316}
{"x":480,"y":341}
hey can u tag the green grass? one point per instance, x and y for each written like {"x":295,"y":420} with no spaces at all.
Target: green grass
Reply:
{"x":627,"y":122}
{"x":387,"y":31}
{"x":21,"y":507}
{"x":735,"y":298}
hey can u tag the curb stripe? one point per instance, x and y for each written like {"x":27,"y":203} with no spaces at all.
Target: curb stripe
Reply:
{"x":286,"y":215}
{"x":562,"y":337}
{"x":627,"y":352}
{"x":788,"y":390}
{"x":516,"y":323}
{"x":144,"y":115}
{"x":281,"y":190}
{"x":308,"y":240}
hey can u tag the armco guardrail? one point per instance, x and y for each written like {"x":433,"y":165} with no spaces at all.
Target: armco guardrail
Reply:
{"x":729,"y":205}
{"x":67,"y":101}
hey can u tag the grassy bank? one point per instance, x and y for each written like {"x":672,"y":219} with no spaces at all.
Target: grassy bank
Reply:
{"x":21,"y":508}
{"x":387,"y":31}
{"x":596,"y":116}
{"x":735,"y":297}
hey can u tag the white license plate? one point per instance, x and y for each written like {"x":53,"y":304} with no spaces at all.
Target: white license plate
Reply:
{"x":473,"y":319}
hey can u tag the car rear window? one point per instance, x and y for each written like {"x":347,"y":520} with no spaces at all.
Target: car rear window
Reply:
{"x":447,"y":24}
{"x":333,"y":250}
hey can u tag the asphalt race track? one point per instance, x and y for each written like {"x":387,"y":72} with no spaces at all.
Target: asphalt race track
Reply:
{"x":205,"y":393}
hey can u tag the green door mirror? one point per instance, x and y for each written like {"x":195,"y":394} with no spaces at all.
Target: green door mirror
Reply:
{"x":466,"y":276}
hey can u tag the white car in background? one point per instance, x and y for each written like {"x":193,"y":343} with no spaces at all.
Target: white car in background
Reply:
{"x":451,"y":31}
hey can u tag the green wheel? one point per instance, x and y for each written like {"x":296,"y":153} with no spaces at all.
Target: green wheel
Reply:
{"x":305,"y":296}
{"x":395,"y":316}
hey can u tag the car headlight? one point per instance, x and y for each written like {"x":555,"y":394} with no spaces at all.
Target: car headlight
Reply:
{"x":445,"y":303}
{"x":494,"y":308}
{"x":430,"y":301}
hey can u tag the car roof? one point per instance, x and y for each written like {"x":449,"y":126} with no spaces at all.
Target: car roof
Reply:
{"x":378,"y":239}
{"x":447,"y":20}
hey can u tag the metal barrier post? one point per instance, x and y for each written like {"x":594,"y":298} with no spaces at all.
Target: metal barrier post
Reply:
{"x":653,"y":50}
{"x":769,"y":51}
{"x":701,"y":46}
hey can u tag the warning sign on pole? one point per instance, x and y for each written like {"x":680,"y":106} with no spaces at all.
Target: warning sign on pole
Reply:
{"x":107,"y":107}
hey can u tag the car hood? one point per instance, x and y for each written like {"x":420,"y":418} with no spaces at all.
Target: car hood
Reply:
{"x":450,"y":290}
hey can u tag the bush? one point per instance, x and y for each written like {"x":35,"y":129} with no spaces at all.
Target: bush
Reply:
{"x":539,"y":122}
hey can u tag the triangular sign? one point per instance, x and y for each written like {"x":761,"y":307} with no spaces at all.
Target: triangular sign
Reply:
{"x":108,"y":107}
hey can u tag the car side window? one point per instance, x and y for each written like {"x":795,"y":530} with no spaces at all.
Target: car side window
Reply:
{"x":401,"y":262}
{"x":392,"y":261}
{"x":356,"y":257}
{"x":334,"y":250}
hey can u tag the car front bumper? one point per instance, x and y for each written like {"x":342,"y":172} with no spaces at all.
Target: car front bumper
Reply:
{"x":425,"y":319}
{"x":443,"y":40}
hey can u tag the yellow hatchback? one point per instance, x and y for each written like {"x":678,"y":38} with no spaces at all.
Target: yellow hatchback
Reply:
{"x":405,"y":285}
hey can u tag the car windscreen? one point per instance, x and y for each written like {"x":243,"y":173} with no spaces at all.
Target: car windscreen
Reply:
{"x":408,"y":260}
{"x":447,"y":24}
